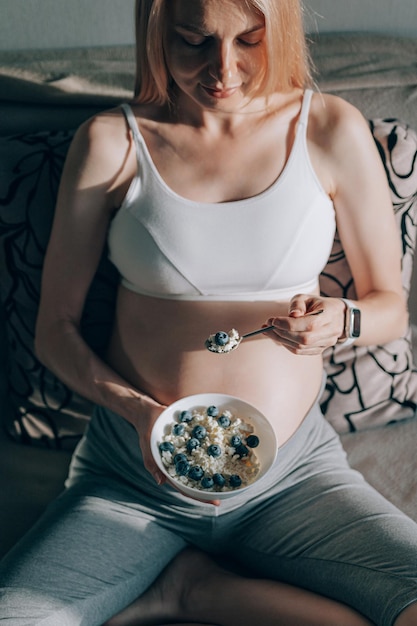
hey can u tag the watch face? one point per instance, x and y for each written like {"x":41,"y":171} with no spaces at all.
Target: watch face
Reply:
{"x":356,"y":323}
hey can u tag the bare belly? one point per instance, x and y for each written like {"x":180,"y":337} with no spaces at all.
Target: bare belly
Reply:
{"x":158,"y":346}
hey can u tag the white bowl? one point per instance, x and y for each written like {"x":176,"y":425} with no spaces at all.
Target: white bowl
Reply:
{"x":265,"y":452}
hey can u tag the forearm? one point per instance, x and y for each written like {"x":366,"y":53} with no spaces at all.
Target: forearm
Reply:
{"x":384,"y":317}
{"x":64,"y":352}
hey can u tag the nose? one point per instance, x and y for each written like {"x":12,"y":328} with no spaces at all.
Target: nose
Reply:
{"x":223,"y":65}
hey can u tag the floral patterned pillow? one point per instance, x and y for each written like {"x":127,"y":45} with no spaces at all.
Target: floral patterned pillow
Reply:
{"x":374,"y":385}
{"x":365,"y":387}
{"x":45,"y":411}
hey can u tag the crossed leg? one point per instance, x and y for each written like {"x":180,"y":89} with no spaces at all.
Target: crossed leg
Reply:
{"x":364,"y":550}
{"x":408,"y":617}
{"x":194,"y":590}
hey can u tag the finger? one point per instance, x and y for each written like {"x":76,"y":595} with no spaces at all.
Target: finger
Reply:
{"x":301,"y":350}
{"x":297,"y":306}
{"x":302,"y":305}
{"x":152,"y":468}
{"x":158,"y":476}
{"x":298,"y":328}
{"x":178,"y":488}
{"x":214,"y":502}
{"x":304,"y":341}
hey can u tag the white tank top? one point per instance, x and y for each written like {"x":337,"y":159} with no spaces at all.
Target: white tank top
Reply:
{"x":267,"y":247}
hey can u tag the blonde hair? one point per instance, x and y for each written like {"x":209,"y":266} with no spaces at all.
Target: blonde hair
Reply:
{"x":288,"y":58}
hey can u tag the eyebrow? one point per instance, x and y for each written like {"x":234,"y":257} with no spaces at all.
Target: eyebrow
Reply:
{"x":192,"y":29}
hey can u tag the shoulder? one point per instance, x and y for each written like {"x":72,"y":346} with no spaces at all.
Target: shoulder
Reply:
{"x":106,"y":137}
{"x":103,"y":136}
{"x":339,"y":137}
{"x":101,"y":155}
{"x":333,"y":121}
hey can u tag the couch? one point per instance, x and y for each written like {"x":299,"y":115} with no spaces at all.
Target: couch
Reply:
{"x":371,"y":395}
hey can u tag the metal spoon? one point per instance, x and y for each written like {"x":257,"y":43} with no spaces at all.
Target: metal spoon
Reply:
{"x":232,"y":339}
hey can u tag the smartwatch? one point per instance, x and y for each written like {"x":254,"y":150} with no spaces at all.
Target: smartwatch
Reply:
{"x":352,"y":329}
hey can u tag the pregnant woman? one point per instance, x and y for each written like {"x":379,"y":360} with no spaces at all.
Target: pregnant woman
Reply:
{"x":218,"y":190}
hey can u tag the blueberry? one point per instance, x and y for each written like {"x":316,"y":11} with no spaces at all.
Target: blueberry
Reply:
{"x":180,"y":457}
{"x":252,"y":441}
{"x":221,"y":338}
{"x":178,"y":429}
{"x":199,"y":432}
{"x":182,"y":468}
{"x":207,"y":482}
{"x":214,"y":450}
{"x":185,"y":416}
{"x":219,"y":480}
{"x":192,"y":444}
{"x":223,"y":421}
{"x":242,"y":450}
{"x":235,"y":441}
{"x":212,"y":411}
{"x":235,"y":480}
{"x":166,"y":446}
{"x":196,"y":472}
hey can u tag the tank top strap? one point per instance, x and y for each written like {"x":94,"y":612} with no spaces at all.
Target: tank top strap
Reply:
{"x":305,"y":108}
{"x":133,"y":125}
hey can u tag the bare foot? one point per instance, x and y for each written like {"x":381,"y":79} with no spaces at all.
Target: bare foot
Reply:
{"x":168,"y":598}
{"x":190,"y":590}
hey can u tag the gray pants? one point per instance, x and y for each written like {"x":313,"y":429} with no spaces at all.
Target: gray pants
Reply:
{"x":312,"y":522}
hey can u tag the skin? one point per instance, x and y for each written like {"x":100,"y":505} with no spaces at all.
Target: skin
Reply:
{"x":216,"y":65}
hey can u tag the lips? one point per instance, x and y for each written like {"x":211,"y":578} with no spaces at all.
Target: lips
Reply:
{"x":220,"y":93}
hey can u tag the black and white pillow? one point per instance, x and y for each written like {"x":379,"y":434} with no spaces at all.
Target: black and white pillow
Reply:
{"x":374,"y":385}
{"x":44,"y":410}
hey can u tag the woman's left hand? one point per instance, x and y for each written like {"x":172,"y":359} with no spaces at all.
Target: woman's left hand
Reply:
{"x":312,"y":325}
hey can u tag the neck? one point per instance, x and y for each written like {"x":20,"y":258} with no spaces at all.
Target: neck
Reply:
{"x":186,"y":111}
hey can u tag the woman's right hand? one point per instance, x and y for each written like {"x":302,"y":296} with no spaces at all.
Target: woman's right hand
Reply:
{"x":143,"y":414}
{"x":147,"y":413}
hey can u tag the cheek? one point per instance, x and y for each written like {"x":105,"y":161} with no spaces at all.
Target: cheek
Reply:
{"x":258,"y":61}
{"x":185,"y":65}
{"x":256,"y":69}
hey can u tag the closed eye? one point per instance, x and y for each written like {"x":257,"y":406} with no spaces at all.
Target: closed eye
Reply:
{"x":194,"y":42}
{"x":253,"y":37}
{"x":192,"y":37}
{"x":250,"y":43}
